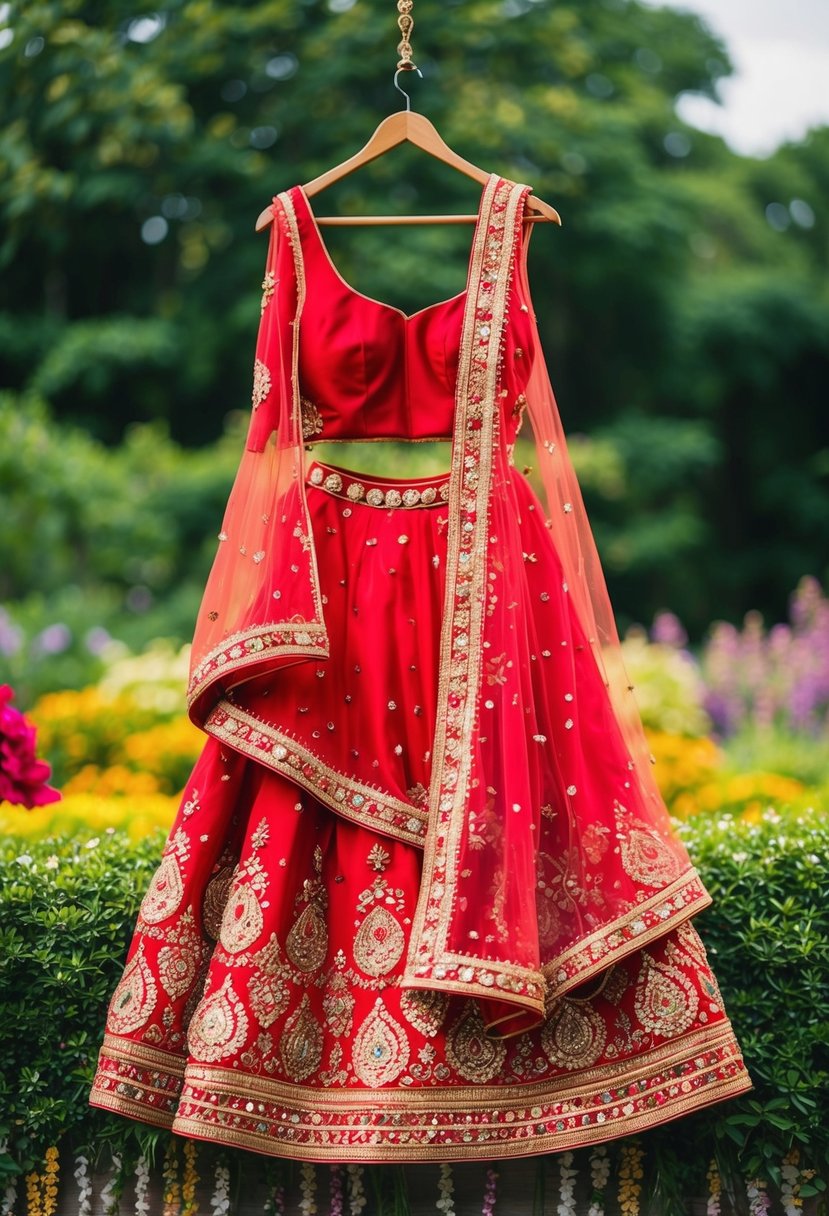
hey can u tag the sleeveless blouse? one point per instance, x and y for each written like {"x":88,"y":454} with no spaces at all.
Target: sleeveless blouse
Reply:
{"x":368,"y":370}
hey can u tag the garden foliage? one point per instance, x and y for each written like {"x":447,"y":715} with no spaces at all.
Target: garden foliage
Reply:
{"x":68,"y":905}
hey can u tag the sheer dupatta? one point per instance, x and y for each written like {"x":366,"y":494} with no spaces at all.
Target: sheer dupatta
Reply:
{"x":549,"y":852}
{"x":262,"y":607}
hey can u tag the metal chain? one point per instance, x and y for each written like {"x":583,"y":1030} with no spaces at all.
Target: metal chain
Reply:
{"x":405,"y":23}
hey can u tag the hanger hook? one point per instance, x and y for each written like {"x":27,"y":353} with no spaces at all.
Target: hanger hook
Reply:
{"x":412,"y":68}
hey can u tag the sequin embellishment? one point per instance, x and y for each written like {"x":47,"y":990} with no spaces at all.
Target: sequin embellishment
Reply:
{"x":381,"y":1049}
{"x":473,"y":1054}
{"x":242,"y":921}
{"x":261,"y":383}
{"x":307,"y":942}
{"x":425,"y":1008}
{"x":301,"y":1043}
{"x":665,"y":1000}
{"x":219,"y":1025}
{"x":573,"y":1036}
{"x":165,"y":892}
{"x":379,"y":942}
{"x":134,"y":999}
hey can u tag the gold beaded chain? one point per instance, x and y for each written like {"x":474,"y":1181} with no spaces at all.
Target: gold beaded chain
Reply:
{"x":405,"y":23}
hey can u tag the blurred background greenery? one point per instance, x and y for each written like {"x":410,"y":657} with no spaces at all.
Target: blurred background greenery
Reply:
{"x":684,"y":304}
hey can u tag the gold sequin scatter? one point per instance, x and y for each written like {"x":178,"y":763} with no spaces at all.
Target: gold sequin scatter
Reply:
{"x":242,"y":921}
{"x":379,"y":942}
{"x":165,"y":892}
{"x":261,"y":383}
{"x":425,"y":1008}
{"x":219,"y":1025}
{"x":134,"y":999}
{"x":665,"y":1000}
{"x":307,"y":942}
{"x":301,"y":1043}
{"x":381,"y":1048}
{"x":470,"y":1050}
{"x":573,"y":1036}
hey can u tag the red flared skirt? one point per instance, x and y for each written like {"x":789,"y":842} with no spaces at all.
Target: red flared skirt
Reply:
{"x":262,"y":1005}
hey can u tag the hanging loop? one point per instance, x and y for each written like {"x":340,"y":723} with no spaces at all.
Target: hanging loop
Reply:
{"x":412,"y":68}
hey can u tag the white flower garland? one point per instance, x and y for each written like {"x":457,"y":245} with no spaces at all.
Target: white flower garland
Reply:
{"x":308,"y":1187}
{"x":758,"y":1196}
{"x":446,"y":1187}
{"x":10,"y":1191}
{"x":599,"y":1178}
{"x":790,"y":1184}
{"x":142,"y":1186}
{"x":567,"y":1185}
{"x":220,"y":1199}
{"x":109,"y":1198}
{"x":356,"y":1192}
{"x":84,"y":1185}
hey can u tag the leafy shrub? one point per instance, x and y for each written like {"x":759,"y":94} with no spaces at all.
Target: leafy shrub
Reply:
{"x":67,"y":910}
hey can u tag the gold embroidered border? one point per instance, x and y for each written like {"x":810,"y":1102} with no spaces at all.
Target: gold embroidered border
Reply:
{"x":141,"y":1053}
{"x":131,"y":1109}
{"x":286,"y":638}
{"x":353,"y":799}
{"x":661,"y":912}
{"x":256,"y":646}
{"x":296,"y":413}
{"x":476,"y":427}
{"x":457,"y":1123}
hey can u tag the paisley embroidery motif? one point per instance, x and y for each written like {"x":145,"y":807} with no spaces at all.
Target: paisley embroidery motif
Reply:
{"x":219,"y":1025}
{"x":425,"y":1008}
{"x":180,"y":959}
{"x":301,"y":1043}
{"x":134,"y":999}
{"x":381,"y":1049}
{"x":665,"y":1000}
{"x":379,"y":942}
{"x":338,"y":1005}
{"x":261,"y":383}
{"x":165,"y":892}
{"x":242,"y":922}
{"x":215,"y":898}
{"x":573,"y":1036}
{"x":307,"y":942}
{"x":646,"y":857}
{"x":470,"y":1050}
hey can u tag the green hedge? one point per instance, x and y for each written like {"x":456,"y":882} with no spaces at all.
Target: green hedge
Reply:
{"x":67,"y":909}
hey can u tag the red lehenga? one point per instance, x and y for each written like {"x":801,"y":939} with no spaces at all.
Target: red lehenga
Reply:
{"x":421,"y":899}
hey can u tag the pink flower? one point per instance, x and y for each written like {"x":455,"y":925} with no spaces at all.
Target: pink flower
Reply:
{"x":22,"y":776}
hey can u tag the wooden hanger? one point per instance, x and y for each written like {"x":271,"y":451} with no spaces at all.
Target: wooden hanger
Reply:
{"x":407,"y":126}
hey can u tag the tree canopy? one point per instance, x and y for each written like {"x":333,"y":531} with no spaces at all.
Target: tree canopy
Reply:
{"x":683,"y":304}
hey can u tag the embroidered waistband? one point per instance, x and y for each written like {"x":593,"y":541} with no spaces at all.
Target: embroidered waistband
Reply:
{"x":379,"y":491}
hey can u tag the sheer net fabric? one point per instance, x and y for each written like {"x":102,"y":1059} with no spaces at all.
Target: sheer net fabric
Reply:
{"x":421,"y":899}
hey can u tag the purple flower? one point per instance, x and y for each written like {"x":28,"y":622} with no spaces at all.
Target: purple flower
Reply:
{"x":11,"y":637}
{"x":667,"y":630}
{"x":54,"y":639}
{"x":775,"y":678}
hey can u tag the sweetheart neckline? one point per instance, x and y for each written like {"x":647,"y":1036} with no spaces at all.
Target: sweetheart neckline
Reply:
{"x":407,"y":316}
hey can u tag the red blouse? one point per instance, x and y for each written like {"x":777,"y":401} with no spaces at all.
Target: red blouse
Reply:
{"x":375,"y":372}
